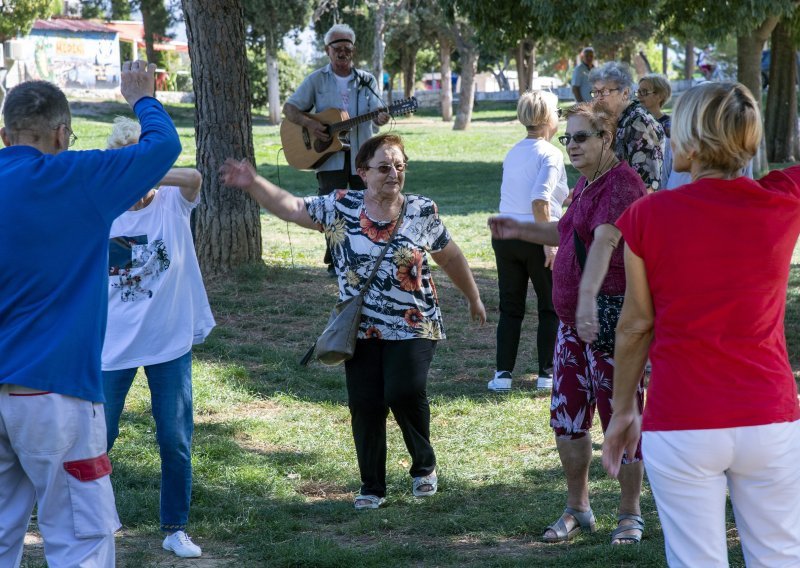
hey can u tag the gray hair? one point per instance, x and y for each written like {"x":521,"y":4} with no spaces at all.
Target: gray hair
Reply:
{"x":587,"y":49}
{"x":125,"y":132}
{"x":36,"y":107}
{"x":613,"y":72}
{"x":342,"y":29}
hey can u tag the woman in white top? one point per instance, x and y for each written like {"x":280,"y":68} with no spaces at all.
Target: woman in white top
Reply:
{"x":157,"y":309}
{"x":534,"y":189}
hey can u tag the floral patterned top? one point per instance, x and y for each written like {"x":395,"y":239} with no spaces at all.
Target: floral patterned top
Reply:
{"x":640,"y":142}
{"x":401,"y":302}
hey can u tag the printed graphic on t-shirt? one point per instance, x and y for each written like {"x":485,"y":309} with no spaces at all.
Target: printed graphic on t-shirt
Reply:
{"x":135,"y":266}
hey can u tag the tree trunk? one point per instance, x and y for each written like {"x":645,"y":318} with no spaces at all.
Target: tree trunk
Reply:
{"x":228,"y":225}
{"x":748,"y":59}
{"x":149,"y":18}
{"x":379,"y":45}
{"x":688,"y":68}
{"x":526,"y":61}
{"x":446,"y":71}
{"x":408,"y":62}
{"x":273,"y":90}
{"x":469,"y":67}
{"x":664,"y":58}
{"x":781,"y":113}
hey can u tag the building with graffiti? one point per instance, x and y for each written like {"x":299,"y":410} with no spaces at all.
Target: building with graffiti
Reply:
{"x":74,"y":53}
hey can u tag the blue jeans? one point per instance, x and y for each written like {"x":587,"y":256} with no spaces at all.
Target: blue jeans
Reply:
{"x":171,"y":397}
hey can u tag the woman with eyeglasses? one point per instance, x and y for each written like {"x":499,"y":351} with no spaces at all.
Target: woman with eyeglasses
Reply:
{"x":401,"y":321}
{"x":534,"y":188}
{"x":640,"y":138}
{"x":722,"y":413}
{"x":583,"y":372}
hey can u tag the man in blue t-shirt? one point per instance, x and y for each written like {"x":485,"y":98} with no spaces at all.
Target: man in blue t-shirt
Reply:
{"x":58,"y":206}
{"x":581,"y":86}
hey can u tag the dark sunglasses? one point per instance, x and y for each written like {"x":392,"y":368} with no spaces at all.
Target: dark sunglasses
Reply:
{"x":578,"y":137}
{"x":386,"y":168}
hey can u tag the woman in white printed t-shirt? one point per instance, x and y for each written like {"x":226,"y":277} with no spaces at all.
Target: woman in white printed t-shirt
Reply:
{"x":157,"y":309}
{"x":534,"y":189}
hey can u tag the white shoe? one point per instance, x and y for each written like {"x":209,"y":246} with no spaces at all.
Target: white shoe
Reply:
{"x":545,"y":380}
{"x":501,"y":382}
{"x":180,"y":543}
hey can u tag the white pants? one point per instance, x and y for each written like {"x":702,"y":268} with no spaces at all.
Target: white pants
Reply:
{"x":689,"y":472}
{"x":53,"y":452}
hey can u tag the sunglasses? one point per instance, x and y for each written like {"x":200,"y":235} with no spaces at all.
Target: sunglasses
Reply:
{"x":643,"y":93}
{"x":602,"y":93}
{"x":386,"y":168}
{"x":578,"y":137}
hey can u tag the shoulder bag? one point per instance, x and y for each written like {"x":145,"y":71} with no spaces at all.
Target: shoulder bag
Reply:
{"x":608,"y":307}
{"x":337,"y":343}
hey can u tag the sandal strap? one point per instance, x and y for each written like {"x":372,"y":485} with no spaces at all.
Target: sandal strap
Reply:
{"x":584,"y":518}
{"x":636,"y":525}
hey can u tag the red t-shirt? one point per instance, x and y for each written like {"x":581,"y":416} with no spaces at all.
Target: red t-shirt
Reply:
{"x":717,"y":257}
{"x":602,"y":202}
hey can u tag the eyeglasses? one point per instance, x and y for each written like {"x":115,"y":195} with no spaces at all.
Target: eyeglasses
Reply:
{"x":386,"y":168}
{"x":602,"y":93}
{"x":72,"y":137}
{"x":644,"y":93}
{"x":578,"y":137}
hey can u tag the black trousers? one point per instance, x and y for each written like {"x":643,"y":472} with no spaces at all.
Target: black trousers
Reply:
{"x":386,"y":375}
{"x":518,"y":262}
{"x":338,"y":179}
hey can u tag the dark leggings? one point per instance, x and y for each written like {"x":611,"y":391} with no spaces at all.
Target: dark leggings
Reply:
{"x":386,"y":375}
{"x":518,"y":262}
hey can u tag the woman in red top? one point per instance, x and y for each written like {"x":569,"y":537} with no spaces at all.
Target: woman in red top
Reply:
{"x":722,"y":409}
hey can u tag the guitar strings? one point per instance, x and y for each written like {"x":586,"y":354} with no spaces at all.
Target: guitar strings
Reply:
{"x":278,"y":174}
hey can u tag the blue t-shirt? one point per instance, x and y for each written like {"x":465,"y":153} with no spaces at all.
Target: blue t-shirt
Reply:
{"x":54,"y":224}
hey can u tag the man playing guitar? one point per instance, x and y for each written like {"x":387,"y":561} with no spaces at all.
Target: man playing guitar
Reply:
{"x":337,"y":85}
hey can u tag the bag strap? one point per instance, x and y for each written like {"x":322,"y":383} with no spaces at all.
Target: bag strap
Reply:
{"x":398,"y":222}
{"x":580,"y":249}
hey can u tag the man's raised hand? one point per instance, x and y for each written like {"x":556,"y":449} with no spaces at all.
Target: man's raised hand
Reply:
{"x":138,"y":79}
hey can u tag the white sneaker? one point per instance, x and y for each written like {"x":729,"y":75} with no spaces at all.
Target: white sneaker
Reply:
{"x":180,"y":543}
{"x":545,"y":380}
{"x":501,"y":382}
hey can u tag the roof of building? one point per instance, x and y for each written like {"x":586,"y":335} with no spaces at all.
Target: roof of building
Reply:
{"x":71,"y":25}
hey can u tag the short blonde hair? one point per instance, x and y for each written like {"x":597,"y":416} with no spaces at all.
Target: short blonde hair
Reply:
{"x":535,"y":108}
{"x":661,"y":86}
{"x":720,"y":123}
{"x":125,"y":132}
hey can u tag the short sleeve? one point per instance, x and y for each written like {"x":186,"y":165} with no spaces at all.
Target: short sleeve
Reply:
{"x":174,"y":200}
{"x":304,"y":98}
{"x":320,"y":209}
{"x":548,"y":177}
{"x":434,"y":234}
{"x":643,"y":140}
{"x":630,"y":225}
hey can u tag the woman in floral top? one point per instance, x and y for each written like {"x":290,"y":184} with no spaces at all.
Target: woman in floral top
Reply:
{"x":640,"y":138}
{"x":400,"y":320}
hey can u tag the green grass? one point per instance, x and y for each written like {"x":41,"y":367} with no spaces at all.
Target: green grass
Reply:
{"x":274,"y":465}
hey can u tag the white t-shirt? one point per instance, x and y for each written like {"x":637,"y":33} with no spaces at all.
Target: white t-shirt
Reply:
{"x":157,"y":304}
{"x":533,"y":169}
{"x":343,"y":85}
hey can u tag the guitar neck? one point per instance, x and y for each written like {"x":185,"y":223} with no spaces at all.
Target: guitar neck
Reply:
{"x":350,"y":123}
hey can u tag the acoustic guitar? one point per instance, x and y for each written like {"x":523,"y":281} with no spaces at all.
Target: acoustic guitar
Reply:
{"x":305,"y":151}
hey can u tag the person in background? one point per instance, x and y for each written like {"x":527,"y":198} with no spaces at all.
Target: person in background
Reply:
{"x":654,"y":92}
{"x":640,"y":138}
{"x":581,"y":85}
{"x":722,"y":413}
{"x":584,"y":372}
{"x":401,"y":322}
{"x":157,"y":309}
{"x":58,"y":206}
{"x":534,"y":188}
{"x":337,"y":85}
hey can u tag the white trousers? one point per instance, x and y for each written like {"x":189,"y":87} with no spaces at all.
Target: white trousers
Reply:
{"x":53,"y":453}
{"x":689,"y":472}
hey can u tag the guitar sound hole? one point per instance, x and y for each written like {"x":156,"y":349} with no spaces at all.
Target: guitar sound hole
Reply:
{"x":320,"y":146}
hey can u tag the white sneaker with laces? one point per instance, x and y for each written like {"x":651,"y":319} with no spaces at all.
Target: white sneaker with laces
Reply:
{"x":501,"y":382}
{"x":180,"y":543}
